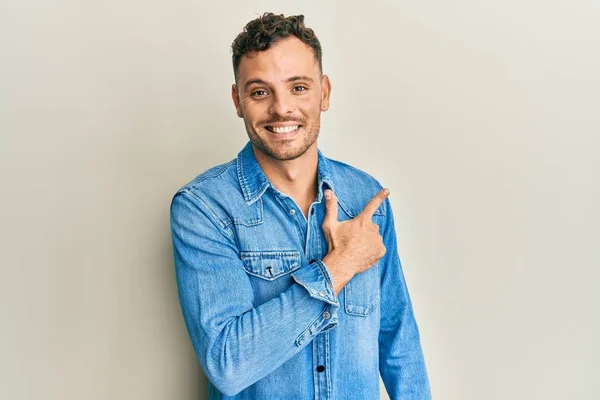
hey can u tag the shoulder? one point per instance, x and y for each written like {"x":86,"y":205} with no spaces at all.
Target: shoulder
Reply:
{"x":347,"y":172}
{"x":217,"y":193}
{"x":220,"y":177}
{"x":354,"y":187}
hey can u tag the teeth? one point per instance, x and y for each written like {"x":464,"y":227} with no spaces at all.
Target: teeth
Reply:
{"x":283,"y":129}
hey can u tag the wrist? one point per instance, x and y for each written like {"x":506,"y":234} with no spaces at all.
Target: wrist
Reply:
{"x":340,"y":276}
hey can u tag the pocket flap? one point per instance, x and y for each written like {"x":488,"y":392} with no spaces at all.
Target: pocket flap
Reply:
{"x":270,"y":264}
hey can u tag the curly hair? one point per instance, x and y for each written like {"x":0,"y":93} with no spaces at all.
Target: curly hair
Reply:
{"x":264,"y":31}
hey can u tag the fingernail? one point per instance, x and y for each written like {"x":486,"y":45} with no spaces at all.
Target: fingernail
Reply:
{"x":327,"y":194}
{"x":386,"y":191}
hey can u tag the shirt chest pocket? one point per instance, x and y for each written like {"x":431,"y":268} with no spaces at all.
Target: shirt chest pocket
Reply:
{"x":361,"y":294}
{"x":270,"y":271}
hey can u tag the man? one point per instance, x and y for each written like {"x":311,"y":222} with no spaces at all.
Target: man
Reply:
{"x":286,"y":261}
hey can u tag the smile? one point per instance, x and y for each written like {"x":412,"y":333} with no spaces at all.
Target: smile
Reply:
{"x":282,"y":129}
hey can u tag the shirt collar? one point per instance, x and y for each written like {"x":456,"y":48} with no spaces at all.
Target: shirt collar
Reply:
{"x":254,"y":182}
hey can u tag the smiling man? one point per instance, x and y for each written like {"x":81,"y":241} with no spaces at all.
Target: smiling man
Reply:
{"x":287,"y":263}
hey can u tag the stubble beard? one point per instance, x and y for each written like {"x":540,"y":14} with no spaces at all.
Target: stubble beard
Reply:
{"x":285,"y":150}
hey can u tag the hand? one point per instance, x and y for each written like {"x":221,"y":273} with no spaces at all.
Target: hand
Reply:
{"x":354,"y":245}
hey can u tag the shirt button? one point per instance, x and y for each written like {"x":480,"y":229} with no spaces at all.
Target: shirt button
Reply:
{"x":320,"y":368}
{"x":326,"y":315}
{"x":292,"y":211}
{"x":322,"y":293}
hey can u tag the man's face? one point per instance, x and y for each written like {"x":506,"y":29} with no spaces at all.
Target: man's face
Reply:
{"x":280,"y":94}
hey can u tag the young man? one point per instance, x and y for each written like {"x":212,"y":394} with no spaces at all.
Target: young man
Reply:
{"x":287,"y":265}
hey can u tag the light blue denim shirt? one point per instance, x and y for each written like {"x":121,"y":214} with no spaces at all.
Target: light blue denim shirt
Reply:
{"x":259,"y":304}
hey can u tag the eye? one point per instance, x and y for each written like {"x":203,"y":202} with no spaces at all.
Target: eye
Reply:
{"x":258,"y":93}
{"x":300,"y":88}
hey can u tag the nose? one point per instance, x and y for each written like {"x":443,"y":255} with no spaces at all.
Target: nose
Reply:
{"x":281,"y":104}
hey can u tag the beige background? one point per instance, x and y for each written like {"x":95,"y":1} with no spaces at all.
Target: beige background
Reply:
{"x":481,"y":116}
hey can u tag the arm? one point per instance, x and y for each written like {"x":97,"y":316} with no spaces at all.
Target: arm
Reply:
{"x":401,"y":361}
{"x":238,"y":344}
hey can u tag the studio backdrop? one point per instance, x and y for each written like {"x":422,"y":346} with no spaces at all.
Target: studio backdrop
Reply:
{"x":481,"y":117}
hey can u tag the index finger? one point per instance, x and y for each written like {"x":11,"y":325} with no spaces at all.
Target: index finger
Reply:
{"x":374,"y":203}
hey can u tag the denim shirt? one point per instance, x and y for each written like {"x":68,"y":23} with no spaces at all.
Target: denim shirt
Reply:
{"x":259,"y":304}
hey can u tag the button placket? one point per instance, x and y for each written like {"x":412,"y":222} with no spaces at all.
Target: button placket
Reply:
{"x":320,"y":360}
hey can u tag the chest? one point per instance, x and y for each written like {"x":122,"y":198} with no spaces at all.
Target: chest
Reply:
{"x":280,"y":239}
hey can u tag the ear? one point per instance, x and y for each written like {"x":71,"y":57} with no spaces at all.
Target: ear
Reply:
{"x":236,"y":100}
{"x":325,"y":92}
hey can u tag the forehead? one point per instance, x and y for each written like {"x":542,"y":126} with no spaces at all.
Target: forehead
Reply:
{"x":286,"y":58}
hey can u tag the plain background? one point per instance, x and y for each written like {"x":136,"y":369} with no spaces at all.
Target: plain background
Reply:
{"x":482,"y":117}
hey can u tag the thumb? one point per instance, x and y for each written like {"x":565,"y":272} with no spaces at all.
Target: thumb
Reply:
{"x":331,"y":207}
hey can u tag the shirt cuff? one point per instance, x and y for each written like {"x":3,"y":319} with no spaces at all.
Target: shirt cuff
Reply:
{"x":316,"y":279}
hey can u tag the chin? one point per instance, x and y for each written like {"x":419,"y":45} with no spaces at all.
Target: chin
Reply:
{"x":284,"y":155}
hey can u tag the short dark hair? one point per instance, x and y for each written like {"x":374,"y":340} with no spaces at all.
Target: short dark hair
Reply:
{"x":264,"y":31}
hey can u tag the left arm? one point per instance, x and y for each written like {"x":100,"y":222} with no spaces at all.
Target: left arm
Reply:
{"x":401,"y":361}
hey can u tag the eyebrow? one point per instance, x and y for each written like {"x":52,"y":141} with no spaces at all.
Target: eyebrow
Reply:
{"x":300,"y":78}
{"x":292,"y":79}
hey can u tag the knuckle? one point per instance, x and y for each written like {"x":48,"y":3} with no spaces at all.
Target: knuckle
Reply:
{"x":382,"y":251}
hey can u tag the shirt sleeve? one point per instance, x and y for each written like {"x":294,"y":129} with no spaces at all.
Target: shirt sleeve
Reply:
{"x":238,"y":344}
{"x":401,"y":361}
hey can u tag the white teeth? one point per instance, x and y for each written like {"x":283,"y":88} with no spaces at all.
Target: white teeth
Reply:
{"x":284,"y":129}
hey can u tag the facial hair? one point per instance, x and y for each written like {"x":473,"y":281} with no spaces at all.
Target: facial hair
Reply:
{"x":285,"y":150}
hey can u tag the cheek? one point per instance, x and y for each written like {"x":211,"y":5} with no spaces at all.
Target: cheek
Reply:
{"x":313,"y":109}
{"x":249,"y":115}
{"x":255,"y":111}
{"x":310,"y":105}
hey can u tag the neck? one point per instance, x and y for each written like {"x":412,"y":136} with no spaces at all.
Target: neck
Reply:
{"x":297,"y":178}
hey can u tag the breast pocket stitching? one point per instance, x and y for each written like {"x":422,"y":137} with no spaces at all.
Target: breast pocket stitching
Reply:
{"x":270,"y":264}
{"x":361,"y":294}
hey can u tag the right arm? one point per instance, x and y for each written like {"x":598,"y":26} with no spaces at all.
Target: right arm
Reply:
{"x":238,"y":344}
